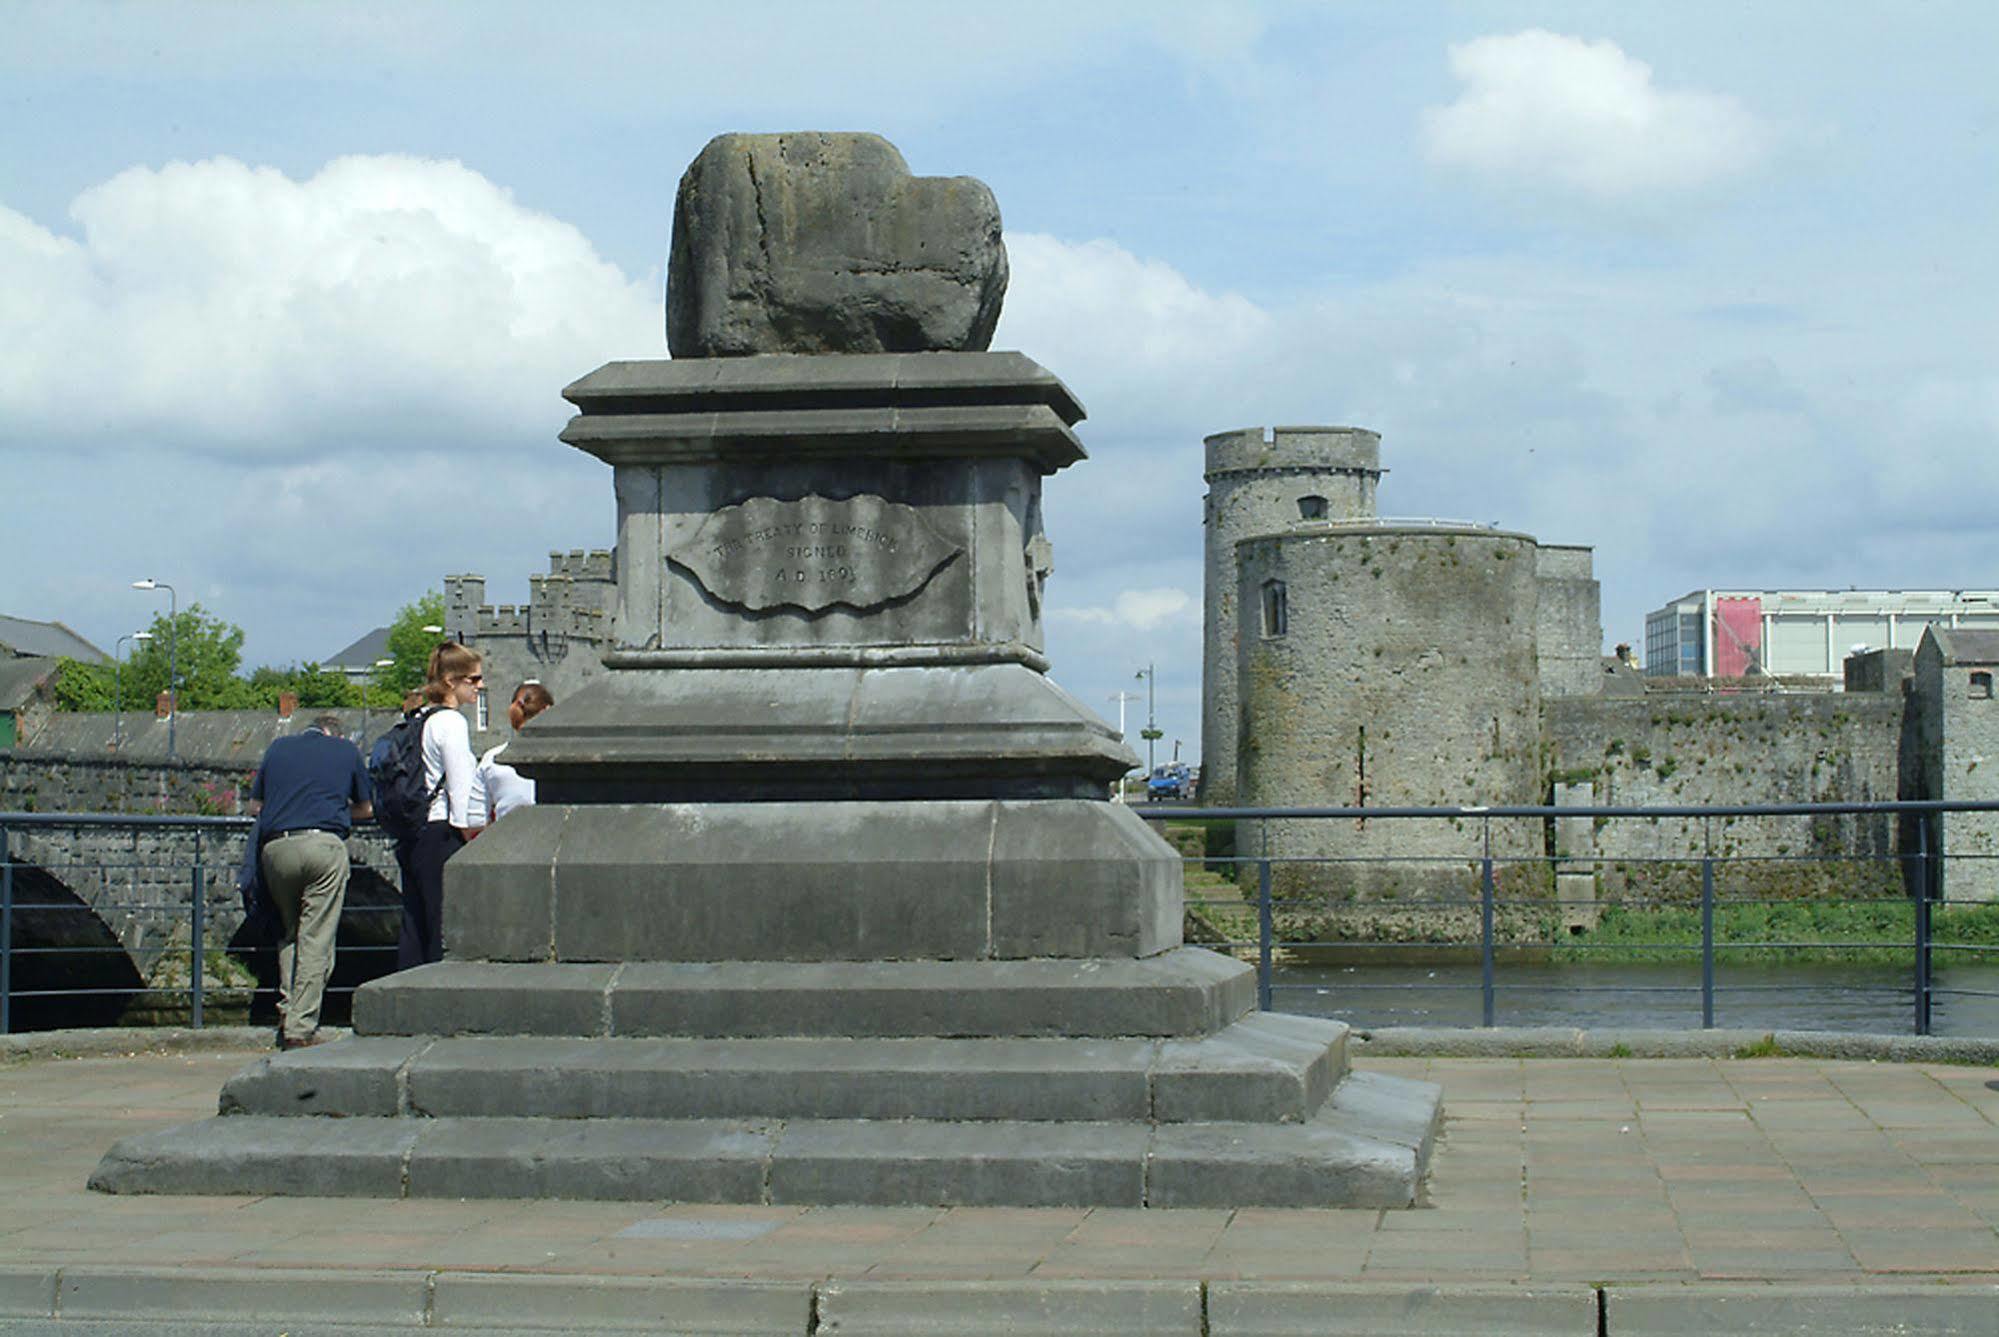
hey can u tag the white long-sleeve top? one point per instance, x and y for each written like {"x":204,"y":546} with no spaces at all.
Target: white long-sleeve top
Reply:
{"x":497,"y":788}
{"x":447,"y":756}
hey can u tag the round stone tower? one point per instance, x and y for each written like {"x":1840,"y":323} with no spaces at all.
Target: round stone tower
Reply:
{"x":1389,"y":665}
{"x":1262,"y":481}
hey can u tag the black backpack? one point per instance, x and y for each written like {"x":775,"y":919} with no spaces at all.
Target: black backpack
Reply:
{"x":402,"y":802}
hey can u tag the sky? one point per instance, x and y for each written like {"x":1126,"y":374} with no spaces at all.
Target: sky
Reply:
{"x":289,"y":292}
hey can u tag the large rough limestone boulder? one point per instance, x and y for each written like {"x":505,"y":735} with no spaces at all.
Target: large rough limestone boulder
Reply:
{"x":824,"y":243}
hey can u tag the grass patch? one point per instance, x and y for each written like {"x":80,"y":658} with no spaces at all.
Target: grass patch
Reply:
{"x":1767,"y":1047}
{"x":1823,"y":931}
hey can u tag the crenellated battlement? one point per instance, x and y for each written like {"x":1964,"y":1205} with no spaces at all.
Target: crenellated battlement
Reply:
{"x":1316,"y":449}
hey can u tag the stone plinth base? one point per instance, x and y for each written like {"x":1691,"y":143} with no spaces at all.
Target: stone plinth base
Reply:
{"x":976,"y":1001}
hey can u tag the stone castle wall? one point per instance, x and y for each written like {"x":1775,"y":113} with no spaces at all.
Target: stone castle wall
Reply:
{"x":1957,"y":740}
{"x":1751,"y":748}
{"x":1258,"y":483}
{"x":1568,"y":621}
{"x":557,"y":638}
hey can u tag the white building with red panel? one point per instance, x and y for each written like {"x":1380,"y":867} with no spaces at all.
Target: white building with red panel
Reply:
{"x":1799,"y":633}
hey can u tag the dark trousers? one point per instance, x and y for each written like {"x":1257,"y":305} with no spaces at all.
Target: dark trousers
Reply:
{"x":422,"y":938}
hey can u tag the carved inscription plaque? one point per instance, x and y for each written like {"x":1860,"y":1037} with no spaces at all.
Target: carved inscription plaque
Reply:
{"x":814,"y":553}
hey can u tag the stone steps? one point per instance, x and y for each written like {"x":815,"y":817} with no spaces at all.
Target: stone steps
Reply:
{"x":1366,"y":1146}
{"x":1181,"y":992}
{"x":1264,"y":1068}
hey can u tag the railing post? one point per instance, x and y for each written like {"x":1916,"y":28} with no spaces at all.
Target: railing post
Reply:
{"x":1707,"y":942}
{"x":6,"y":934}
{"x":1485,"y":954}
{"x":196,"y":935}
{"x":1929,"y":851}
{"x":1264,"y":933}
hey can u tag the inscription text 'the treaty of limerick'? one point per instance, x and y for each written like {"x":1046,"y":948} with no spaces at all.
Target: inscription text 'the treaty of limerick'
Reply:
{"x":814,"y":553}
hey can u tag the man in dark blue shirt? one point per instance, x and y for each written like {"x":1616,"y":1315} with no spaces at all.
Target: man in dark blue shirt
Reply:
{"x":308,"y":792}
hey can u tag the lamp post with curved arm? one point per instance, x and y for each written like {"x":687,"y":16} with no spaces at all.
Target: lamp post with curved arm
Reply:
{"x":118,"y":686}
{"x":173,"y":646}
{"x":1121,"y":698}
{"x":1150,"y":733}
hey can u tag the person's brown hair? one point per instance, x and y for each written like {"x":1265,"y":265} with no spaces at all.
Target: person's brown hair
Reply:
{"x":449,"y":662}
{"x":533,"y":698}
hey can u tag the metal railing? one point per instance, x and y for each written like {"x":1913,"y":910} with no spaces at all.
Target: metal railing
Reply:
{"x":100,"y":924}
{"x":1914,"y":857}
{"x":1484,"y":899}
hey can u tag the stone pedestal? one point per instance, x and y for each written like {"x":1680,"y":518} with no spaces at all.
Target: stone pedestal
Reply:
{"x":824,"y":902}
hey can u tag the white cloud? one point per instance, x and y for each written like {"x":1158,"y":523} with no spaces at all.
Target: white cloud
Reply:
{"x":1138,"y":610}
{"x":1542,"y":108}
{"x":1113,"y":323}
{"x":228,"y":308}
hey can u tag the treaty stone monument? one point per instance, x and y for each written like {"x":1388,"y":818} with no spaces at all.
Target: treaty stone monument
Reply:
{"x":824,"y":901}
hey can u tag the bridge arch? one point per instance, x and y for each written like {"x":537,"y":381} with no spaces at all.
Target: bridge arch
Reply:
{"x":60,"y":943}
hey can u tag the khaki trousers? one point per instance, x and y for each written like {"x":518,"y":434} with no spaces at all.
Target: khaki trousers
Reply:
{"x":306,"y":875}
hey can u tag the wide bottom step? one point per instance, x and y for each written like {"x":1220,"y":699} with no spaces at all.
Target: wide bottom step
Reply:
{"x":1369,"y":1146}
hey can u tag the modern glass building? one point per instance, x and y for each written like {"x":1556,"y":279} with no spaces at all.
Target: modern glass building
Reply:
{"x":1806,"y":633}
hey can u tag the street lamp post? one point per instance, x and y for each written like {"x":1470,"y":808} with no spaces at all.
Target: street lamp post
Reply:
{"x":118,"y":685}
{"x":173,"y":658}
{"x":1121,"y":698}
{"x":1151,"y":735}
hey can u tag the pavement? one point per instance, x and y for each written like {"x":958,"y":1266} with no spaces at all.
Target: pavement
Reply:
{"x":1569,"y":1195}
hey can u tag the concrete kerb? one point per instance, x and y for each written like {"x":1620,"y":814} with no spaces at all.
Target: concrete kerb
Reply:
{"x":485,"y":1301}
{"x":27,"y":1292}
{"x":1383,"y":1041}
{"x":1027,"y":1308}
{"x":1309,"y":1309}
{"x":121,"y":1041}
{"x":178,"y":1299}
{"x":272,"y":1295}
{"x":1801,"y":1311}
{"x":1563,"y":1042}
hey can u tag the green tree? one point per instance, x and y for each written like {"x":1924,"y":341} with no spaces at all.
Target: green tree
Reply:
{"x":81,"y":686}
{"x":317,"y":688}
{"x":409,"y":645}
{"x":203,"y":650}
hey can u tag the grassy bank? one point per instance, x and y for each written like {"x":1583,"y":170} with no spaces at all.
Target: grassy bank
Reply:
{"x":1815,"y":931}
{"x":1790,"y":931}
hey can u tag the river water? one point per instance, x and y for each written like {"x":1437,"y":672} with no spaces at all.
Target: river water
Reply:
{"x":1879,"y":999}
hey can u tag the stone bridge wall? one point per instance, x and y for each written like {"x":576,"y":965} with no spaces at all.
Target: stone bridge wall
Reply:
{"x":140,"y":882}
{"x":73,"y":782}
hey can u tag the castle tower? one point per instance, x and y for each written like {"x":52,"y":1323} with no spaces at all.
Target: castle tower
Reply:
{"x":1263,"y":481}
{"x":1389,"y":665}
{"x":464,"y":596}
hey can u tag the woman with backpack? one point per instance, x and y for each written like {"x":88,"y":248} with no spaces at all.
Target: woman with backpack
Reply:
{"x":448,"y":765}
